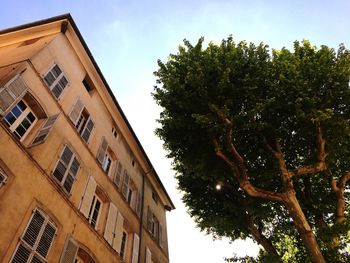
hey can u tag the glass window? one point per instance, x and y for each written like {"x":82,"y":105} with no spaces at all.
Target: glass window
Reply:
{"x":56,"y":81}
{"x":94,"y":212}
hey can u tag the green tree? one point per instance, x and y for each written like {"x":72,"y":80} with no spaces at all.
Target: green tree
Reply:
{"x":272,"y":128}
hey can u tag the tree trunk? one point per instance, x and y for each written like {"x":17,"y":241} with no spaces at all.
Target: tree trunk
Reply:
{"x":262,"y":240}
{"x":303,"y":227}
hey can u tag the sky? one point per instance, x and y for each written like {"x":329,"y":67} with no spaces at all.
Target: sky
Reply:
{"x":127,"y":38}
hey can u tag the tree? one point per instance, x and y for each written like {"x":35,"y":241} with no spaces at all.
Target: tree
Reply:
{"x":273,"y":128}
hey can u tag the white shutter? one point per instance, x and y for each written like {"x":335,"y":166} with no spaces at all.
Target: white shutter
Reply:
{"x":135,"y":249}
{"x":13,"y":90}
{"x":118,"y":233}
{"x":118,"y":174}
{"x":102,"y":150}
{"x":133,"y":200}
{"x":76,"y":111}
{"x":45,"y":129}
{"x":88,"y":195}
{"x":70,"y":251}
{"x":148,"y":255}
{"x":87,"y":130}
{"x":125,"y":186}
{"x":111,"y":224}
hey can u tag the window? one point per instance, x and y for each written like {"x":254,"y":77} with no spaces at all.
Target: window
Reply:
{"x":106,"y":164}
{"x":11,"y":92}
{"x":88,"y":84}
{"x":20,"y":119}
{"x":125,"y":185}
{"x":35,"y":243}
{"x":155,"y":197}
{"x":81,"y":120}
{"x":114,"y":227}
{"x":118,"y":174}
{"x":123,"y":245}
{"x":155,"y":228}
{"x":115,"y":132}
{"x":95,"y":210}
{"x":3,"y":177}
{"x":106,"y":157}
{"x":56,"y":81}
{"x":66,"y":169}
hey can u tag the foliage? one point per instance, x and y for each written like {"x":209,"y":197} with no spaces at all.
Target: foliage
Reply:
{"x":264,"y":124}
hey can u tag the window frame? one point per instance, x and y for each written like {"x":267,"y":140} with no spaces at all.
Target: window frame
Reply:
{"x":4,"y":175}
{"x":56,"y":81}
{"x":33,"y":250}
{"x":92,"y":209}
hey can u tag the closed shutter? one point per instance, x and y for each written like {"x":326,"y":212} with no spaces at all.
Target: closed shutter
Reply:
{"x":76,"y":111}
{"x":45,"y":129}
{"x":46,"y":240}
{"x":118,"y":233}
{"x":161,"y":242}
{"x":109,"y":234}
{"x":72,"y":173}
{"x":125,"y":186}
{"x":102,"y":150}
{"x":56,"y":81}
{"x":135,"y":249}
{"x":118,"y":174}
{"x":63,"y":164}
{"x":133,"y":200}
{"x":149,"y":220}
{"x":88,"y":195}
{"x":139,"y":204}
{"x":3,"y":177}
{"x":148,"y":255}
{"x":87,"y":130}
{"x":12,"y":91}
{"x":70,"y":251}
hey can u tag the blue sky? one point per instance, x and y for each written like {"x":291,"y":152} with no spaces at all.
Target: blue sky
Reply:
{"x":126,"y":39}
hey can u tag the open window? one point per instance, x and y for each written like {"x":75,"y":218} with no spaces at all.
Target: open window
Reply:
{"x":82,"y":120}
{"x":107,"y":159}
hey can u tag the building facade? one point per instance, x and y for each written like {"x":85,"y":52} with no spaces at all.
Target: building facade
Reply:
{"x":75,"y":183}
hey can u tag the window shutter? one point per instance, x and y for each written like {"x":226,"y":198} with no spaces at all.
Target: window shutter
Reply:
{"x":13,"y":90}
{"x":76,"y":111}
{"x":111,"y":224}
{"x":87,"y":130}
{"x":125,"y":186}
{"x":62,"y":164}
{"x":138,"y":204}
{"x":102,"y":150}
{"x":118,"y":174}
{"x":118,"y":233}
{"x":149,"y":220}
{"x":70,"y":251}
{"x":56,"y":81}
{"x":133,"y":200}
{"x":45,"y":129}
{"x":135,"y":249}
{"x":73,"y":170}
{"x":88,"y":195}
{"x":31,"y":234}
{"x":148,"y":255}
{"x":3,"y":177}
{"x":46,"y":240}
{"x":161,"y":242}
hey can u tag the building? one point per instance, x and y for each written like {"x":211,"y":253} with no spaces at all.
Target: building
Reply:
{"x":75,"y":183}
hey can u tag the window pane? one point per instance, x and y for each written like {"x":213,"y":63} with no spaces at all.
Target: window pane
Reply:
{"x":31,"y":117}
{"x":16,"y":111}
{"x":57,"y":90}
{"x":59,"y":171}
{"x":20,"y":131}
{"x":22,"y":106}
{"x":10,"y":119}
{"x":56,"y":71}
{"x":49,"y":78}
{"x":26,"y":123}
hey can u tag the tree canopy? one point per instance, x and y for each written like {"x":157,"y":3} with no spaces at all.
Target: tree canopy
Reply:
{"x":271,"y":129}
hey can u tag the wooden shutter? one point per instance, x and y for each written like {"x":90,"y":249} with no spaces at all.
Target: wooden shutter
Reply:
{"x":88,"y":195}
{"x":11,"y":92}
{"x":62,"y":164}
{"x":161,"y":242}
{"x":139,"y":204}
{"x":109,"y":233}
{"x":148,"y":255}
{"x":102,"y":150}
{"x":3,"y":177}
{"x":45,"y":129}
{"x":118,"y":233}
{"x":135,"y":249}
{"x":76,"y":111}
{"x":87,"y":130}
{"x":70,"y":251}
{"x":46,"y":240}
{"x":118,"y":174}
{"x":125,"y":186}
{"x":149,"y":219}
{"x":72,"y":173}
{"x":133,"y":200}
